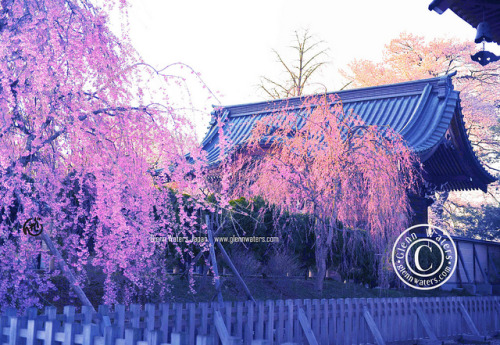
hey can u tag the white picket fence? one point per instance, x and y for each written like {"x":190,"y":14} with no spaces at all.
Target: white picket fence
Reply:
{"x":325,"y":321}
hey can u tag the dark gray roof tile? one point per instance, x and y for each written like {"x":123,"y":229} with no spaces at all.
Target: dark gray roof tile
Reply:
{"x":421,"y":111}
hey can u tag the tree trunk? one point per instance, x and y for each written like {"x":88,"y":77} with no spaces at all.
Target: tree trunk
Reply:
{"x":66,"y":270}
{"x":321,"y":254}
{"x":320,"y":278}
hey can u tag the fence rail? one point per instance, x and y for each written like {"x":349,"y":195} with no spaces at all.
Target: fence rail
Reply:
{"x":325,"y":321}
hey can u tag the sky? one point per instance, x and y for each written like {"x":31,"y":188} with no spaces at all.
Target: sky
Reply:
{"x":230,"y":42}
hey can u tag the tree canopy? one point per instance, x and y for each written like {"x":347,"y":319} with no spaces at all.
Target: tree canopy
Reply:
{"x":351,"y":177}
{"x":86,"y":149}
{"x":411,"y":57}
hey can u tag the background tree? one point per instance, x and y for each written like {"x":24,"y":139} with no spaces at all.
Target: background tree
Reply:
{"x":81,"y":144}
{"x":350,"y":177}
{"x":310,"y":57}
{"x":410,"y":57}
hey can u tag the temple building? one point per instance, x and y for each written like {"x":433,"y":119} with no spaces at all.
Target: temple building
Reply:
{"x":428,"y":115}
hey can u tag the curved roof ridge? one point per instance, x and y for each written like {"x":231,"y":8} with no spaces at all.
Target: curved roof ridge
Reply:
{"x":421,"y":111}
{"x":349,"y":94}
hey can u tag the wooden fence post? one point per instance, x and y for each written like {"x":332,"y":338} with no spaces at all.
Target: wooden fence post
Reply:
{"x":86,"y":315}
{"x":225,"y":338}
{"x":120,"y":320}
{"x":32,"y":313}
{"x":269,"y":322}
{"x":13,"y":331}
{"x":153,"y":337}
{"x":259,"y":331}
{"x":104,"y":318}
{"x":131,"y":336}
{"x":69,"y":333}
{"x":49,"y":332}
{"x":306,"y":327}
{"x":204,"y":340}
{"x":69,"y":314}
{"x":110,"y":335}
{"x":150,"y":316}
{"x":31,"y":330}
{"x":89,"y":332}
{"x":468,"y":320}
{"x":425,"y":323}
{"x":373,"y":326}
{"x":249,"y":326}
{"x":135,"y":309}
{"x":289,"y":322}
{"x":280,"y":327}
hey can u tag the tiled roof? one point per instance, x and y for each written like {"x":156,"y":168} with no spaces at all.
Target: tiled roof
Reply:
{"x":421,"y":111}
{"x":473,"y":12}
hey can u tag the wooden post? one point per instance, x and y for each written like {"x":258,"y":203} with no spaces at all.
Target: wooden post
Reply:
{"x":373,"y":326}
{"x":131,"y":336}
{"x":259,"y":329}
{"x":67,"y":272}
{"x":481,"y":270}
{"x":110,"y":335}
{"x":270,"y":322}
{"x":69,"y":333}
{"x":150,"y":316}
{"x":104,"y":317}
{"x":14,"y":331}
{"x":120,"y":319}
{"x":204,"y":340}
{"x":225,"y":338}
{"x":214,"y":262}
{"x":289,"y":321}
{"x":200,"y":254}
{"x":460,"y":256}
{"x":235,"y":271}
{"x":86,"y":315}
{"x":135,"y":309}
{"x":425,"y":323}
{"x":69,"y":313}
{"x":192,"y":323}
{"x":260,"y":342}
{"x":474,"y":262}
{"x":32,"y":313}
{"x":31,"y":332}
{"x":306,"y":327}
{"x":178,"y":339}
{"x":488,"y":268}
{"x":468,"y":320}
{"x":49,"y":333}
{"x":152,"y":337}
{"x":249,"y":328}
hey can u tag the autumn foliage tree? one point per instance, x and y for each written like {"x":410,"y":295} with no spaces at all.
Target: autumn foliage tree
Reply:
{"x":411,"y":57}
{"x":87,"y":150}
{"x":349,"y":176}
